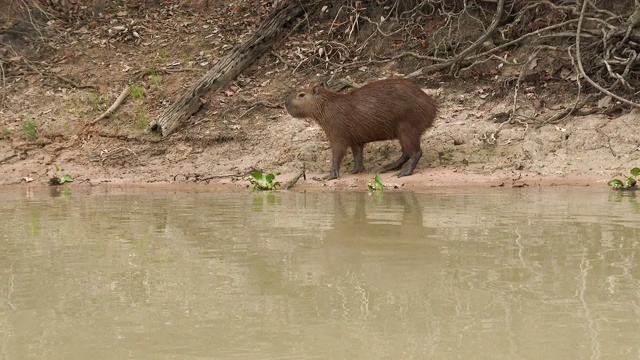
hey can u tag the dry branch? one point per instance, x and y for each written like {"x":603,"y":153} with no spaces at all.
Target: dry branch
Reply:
{"x":114,"y":106}
{"x":123,"y":94}
{"x":229,"y":66}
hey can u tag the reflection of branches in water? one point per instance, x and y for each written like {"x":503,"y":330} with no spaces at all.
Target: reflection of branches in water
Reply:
{"x":585,"y":266}
{"x":507,"y":271}
{"x":510,"y":276}
{"x":11,"y":289}
{"x":352,"y":287}
{"x":626,"y":264}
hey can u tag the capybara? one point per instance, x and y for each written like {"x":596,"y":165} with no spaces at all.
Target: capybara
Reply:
{"x":381,"y":110}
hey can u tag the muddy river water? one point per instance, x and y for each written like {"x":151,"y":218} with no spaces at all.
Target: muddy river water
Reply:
{"x":112,"y":273}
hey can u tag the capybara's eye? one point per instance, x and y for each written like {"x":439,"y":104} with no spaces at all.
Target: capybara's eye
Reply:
{"x":301,"y":95}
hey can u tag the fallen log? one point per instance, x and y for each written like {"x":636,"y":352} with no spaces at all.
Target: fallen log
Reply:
{"x":230,"y":65}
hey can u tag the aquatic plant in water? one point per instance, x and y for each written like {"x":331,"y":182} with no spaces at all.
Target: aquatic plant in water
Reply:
{"x":376,"y":185}
{"x":263,"y":181}
{"x":629,"y":183}
{"x":59,"y":180}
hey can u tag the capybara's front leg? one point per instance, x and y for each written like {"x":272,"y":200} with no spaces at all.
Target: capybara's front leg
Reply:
{"x":337,"y":154}
{"x":358,"y":166}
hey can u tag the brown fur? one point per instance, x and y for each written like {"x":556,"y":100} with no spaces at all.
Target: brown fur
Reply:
{"x":381,"y":110}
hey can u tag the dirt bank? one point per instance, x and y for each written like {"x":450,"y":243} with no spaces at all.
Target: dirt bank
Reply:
{"x":46,"y":104}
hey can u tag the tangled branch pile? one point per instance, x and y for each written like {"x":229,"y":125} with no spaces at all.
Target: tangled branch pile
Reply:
{"x":588,"y":46}
{"x":593,"y":44}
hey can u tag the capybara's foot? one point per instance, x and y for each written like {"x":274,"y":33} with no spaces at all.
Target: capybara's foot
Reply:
{"x":397,"y":165}
{"x":357,"y":170}
{"x":404,"y":172}
{"x":325,"y":178}
{"x":332,"y":175}
{"x":392,"y":167}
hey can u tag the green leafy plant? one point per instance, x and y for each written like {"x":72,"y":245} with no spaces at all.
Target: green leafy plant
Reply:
{"x":142,"y":118}
{"x":30,"y":128}
{"x":136,"y":91}
{"x":115,"y":121}
{"x":155,"y":78}
{"x":60,"y":179}
{"x":445,"y":155}
{"x":629,"y":183}
{"x":263,"y":181}
{"x":376,"y":185}
{"x":96,"y":101}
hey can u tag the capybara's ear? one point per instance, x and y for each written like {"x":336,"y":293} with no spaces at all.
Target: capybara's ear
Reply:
{"x":315,"y":89}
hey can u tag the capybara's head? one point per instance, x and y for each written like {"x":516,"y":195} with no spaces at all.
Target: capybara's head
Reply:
{"x":306,"y":103}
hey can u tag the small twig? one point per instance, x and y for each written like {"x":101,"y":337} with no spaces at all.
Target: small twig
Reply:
{"x":8,"y":158}
{"x":4,"y":82}
{"x":379,"y":29}
{"x":335,"y":19}
{"x":114,"y":106}
{"x":568,"y":34}
{"x":106,"y":154}
{"x":59,"y":77}
{"x":415,"y":55}
{"x":620,"y":79}
{"x":562,"y":114}
{"x":599,"y":131}
{"x":72,"y":83}
{"x":277,"y":56}
{"x":355,"y":23}
{"x":523,"y":71}
{"x":492,"y":138}
{"x":259,"y":103}
{"x":225,"y":176}
{"x":293,"y":181}
{"x":575,"y":107}
{"x":262,"y":103}
{"x":300,"y":64}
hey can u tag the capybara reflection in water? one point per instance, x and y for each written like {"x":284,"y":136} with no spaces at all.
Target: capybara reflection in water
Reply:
{"x":381,"y":110}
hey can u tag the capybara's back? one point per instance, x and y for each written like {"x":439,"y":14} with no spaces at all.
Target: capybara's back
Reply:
{"x":381,"y":110}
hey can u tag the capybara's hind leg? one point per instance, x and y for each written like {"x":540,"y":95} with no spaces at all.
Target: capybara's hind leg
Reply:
{"x":410,"y":145}
{"x":413,"y":161}
{"x":396,"y":165}
{"x":358,"y":166}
